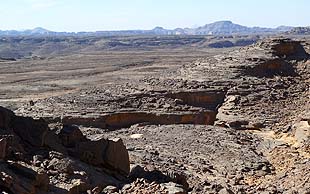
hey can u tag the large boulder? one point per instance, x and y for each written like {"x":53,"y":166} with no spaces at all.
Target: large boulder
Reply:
{"x":117,"y":155}
{"x":111,"y":154}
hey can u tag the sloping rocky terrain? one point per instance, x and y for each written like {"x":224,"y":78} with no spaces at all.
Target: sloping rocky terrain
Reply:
{"x":237,"y":122}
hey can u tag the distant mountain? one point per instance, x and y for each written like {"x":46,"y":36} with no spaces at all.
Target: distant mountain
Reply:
{"x":35,"y":31}
{"x":216,"y":28}
{"x":228,"y":27}
{"x":284,"y":28}
{"x":38,"y":30}
{"x":222,"y":27}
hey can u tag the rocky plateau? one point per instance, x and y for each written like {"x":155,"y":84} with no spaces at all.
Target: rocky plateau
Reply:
{"x":233,"y":122}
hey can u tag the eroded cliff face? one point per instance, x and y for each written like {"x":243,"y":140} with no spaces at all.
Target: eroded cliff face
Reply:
{"x":152,"y":108}
{"x":236,"y":123}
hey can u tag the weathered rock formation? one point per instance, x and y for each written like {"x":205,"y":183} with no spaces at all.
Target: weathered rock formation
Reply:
{"x":34,"y":159}
{"x":157,"y":108}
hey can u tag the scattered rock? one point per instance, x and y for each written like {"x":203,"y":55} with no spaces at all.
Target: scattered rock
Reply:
{"x":63,"y":165}
{"x":110,"y":189}
{"x":173,"y":188}
{"x":136,"y":172}
{"x":178,"y":178}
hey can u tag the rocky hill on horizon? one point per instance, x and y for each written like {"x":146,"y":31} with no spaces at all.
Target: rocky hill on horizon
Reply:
{"x":216,"y":28}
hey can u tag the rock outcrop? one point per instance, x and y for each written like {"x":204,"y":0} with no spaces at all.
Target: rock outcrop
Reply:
{"x":34,"y":159}
{"x":19,"y":177}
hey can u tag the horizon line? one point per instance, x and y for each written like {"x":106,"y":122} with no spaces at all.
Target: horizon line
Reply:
{"x":111,"y":30}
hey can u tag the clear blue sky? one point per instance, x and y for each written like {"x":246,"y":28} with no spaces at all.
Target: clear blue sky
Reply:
{"x":92,"y":15}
